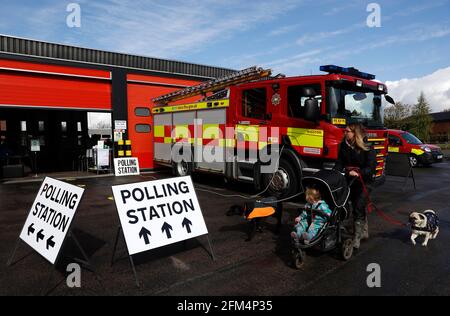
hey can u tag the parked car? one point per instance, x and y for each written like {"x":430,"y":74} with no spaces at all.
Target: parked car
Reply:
{"x":419,"y":153}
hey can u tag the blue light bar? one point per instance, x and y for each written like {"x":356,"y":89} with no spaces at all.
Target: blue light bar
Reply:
{"x":332,"y":69}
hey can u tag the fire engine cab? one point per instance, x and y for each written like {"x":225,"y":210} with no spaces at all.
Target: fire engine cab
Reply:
{"x":249,"y":120}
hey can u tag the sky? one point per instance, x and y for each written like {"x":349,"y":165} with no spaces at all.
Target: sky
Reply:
{"x":409,"y":50}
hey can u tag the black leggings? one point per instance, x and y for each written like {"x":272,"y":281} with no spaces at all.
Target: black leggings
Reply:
{"x":359,"y":201}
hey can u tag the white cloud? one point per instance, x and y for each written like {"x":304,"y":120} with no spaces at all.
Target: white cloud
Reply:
{"x":297,"y":64}
{"x":420,"y":8}
{"x":317,"y":37}
{"x":417,"y":34}
{"x":159,"y":28}
{"x":244,"y":60}
{"x":344,"y":7}
{"x":284,"y":29}
{"x":295,"y":57}
{"x":435,"y":86}
{"x":171,"y":29}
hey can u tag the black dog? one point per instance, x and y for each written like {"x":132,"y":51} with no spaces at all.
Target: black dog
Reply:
{"x":256,"y":212}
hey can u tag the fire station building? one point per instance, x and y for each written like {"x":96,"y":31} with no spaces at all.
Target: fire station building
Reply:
{"x":440,"y":127}
{"x":47,"y":89}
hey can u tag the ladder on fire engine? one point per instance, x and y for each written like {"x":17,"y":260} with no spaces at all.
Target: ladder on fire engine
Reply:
{"x":246,"y":75}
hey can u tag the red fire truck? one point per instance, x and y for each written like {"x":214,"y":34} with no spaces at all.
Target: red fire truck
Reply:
{"x":244,"y":118}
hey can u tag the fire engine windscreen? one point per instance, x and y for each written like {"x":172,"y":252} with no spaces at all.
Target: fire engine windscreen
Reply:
{"x":356,"y":104}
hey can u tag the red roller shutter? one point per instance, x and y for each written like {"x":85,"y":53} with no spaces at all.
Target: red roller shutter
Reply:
{"x":38,"y":85}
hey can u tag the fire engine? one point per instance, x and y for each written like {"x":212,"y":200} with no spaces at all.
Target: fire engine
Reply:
{"x":243,"y":118}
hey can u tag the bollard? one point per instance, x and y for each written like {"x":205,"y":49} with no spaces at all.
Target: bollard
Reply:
{"x":120,"y":150}
{"x":128,"y":148}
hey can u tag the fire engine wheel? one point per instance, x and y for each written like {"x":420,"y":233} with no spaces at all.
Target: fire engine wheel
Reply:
{"x":413,"y":160}
{"x":182,"y":169}
{"x":283,"y":183}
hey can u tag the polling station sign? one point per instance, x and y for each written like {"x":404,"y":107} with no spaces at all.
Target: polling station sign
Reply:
{"x":50,"y":217}
{"x":126,"y":167}
{"x":158,"y":213}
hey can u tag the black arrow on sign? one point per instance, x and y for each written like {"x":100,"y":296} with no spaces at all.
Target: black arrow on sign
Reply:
{"x":40,"y":235}
{"x":31,"y":229}
{"x":187,"y":223}
{"x":145,"y":233}
{"x":50,"y":242}
{"x":166,"y":227}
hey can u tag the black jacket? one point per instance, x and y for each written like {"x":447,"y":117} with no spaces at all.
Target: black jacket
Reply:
{"x":364,"y":160}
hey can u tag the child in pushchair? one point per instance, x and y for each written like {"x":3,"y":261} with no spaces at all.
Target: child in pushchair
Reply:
{"x":313,"y":217}
{"x":319,"y":225}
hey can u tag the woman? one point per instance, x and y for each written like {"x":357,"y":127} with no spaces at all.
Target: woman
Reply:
{"x":356,"y":158}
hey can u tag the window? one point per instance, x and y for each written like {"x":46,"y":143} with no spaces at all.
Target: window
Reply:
{"x":394,"y":141}
{"x":3,"y":126}
{"x":411,"y":139}
{"x":63,"y":127}
{"x":41,"y":126}
{"x":297,"y":97}
{"x":358,"y":104}
{"x":254,"y":103}
{"x":142,"y":112}
{"x":143,"y":128}
{"x":79,"y":128}
{"x":23,"y":126}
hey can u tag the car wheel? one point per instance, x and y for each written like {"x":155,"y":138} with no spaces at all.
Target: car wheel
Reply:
{"x":413,"y":160}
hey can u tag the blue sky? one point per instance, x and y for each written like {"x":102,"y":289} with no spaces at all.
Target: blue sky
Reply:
{"x":410,"y":50}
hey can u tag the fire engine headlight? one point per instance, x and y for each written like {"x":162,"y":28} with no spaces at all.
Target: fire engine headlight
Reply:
{"x":380,"y":87}
{"x":425,"y":148}
{"x":359,"y":83}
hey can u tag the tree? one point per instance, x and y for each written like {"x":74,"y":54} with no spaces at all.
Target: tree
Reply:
{"x":395,"y":117}
{"x":421,"y":119}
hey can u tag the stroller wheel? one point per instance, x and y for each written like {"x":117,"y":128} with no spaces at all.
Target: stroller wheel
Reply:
{"x":347,"y":249}
{"x":299,"y":259}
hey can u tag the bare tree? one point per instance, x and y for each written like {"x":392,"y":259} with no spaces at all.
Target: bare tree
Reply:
{"x":395,"y":116}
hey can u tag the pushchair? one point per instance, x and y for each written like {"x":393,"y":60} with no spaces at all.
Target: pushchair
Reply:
{"x":333,"y":235}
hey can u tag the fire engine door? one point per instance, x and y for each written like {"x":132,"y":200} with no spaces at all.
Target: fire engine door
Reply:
{"x":254,"y":116}
{"x":255,"y":110}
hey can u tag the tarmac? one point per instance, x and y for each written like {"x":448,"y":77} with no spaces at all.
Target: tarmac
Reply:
{"x":261,"y":267}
